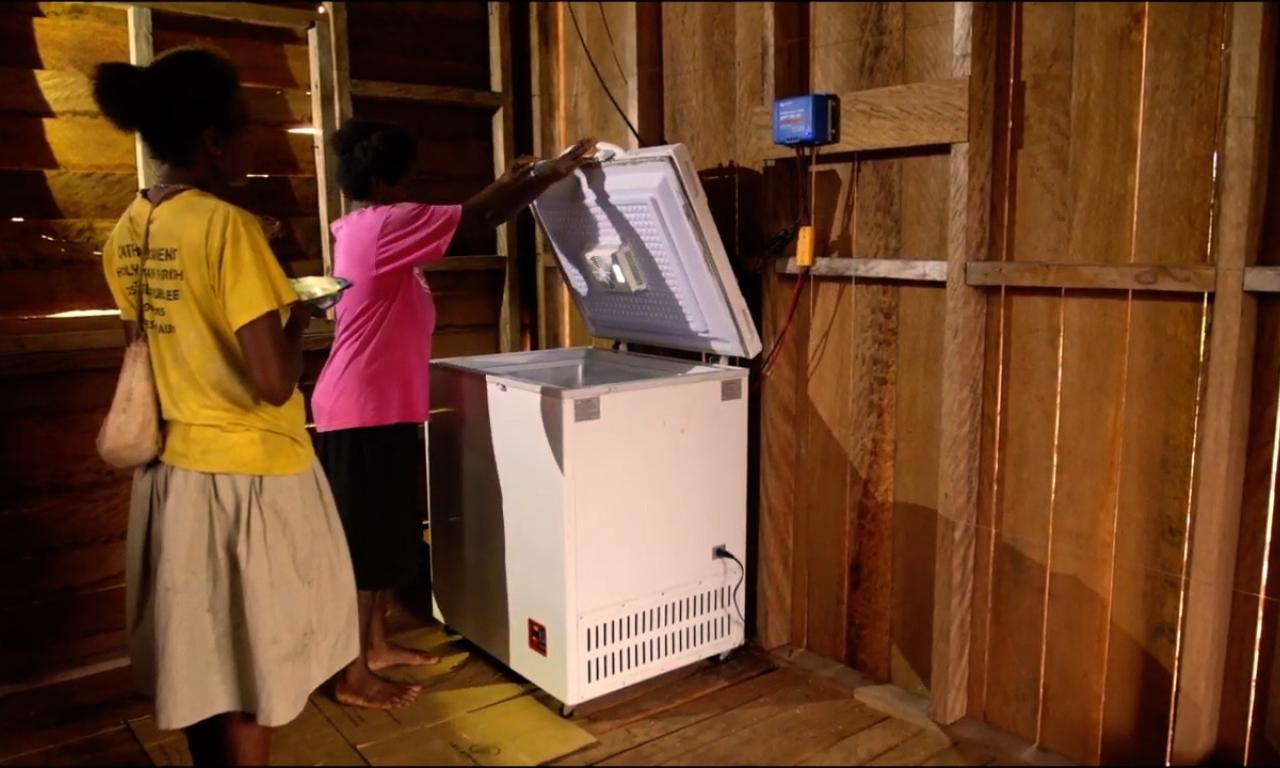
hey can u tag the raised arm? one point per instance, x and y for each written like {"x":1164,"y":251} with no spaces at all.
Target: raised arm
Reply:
{"x":518,"y":187}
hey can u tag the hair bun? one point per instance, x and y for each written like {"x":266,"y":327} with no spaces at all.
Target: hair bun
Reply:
{"x":120,"y":90}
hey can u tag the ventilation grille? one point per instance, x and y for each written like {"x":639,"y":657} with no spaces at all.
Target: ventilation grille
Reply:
{"x":632,"y":641}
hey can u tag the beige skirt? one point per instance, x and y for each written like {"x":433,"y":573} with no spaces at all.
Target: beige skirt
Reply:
{"x":241,"y":596}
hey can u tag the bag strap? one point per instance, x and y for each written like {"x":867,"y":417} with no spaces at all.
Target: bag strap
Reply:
{"x":141,"y":282}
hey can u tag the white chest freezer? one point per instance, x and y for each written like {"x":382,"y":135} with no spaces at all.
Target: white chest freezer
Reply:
{"x":578,"y":496}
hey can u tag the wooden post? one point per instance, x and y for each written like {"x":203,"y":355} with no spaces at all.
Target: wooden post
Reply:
{"x":503,"y":154}
{"x":786,"y":73}
{"x":539,"y":67}
{"x":264,"y":14}
{"x":337,"y":13}
{"x":1242,"y":182}
{"x":141,"y":52}
{"x":324,"y":123}
{"x":650,"y":115}
{"x":962,"y":367}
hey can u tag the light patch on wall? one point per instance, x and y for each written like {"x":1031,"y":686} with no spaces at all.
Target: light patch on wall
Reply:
{"x":84,"y":313}
{"x":1053,"y":496}
{"x":304,"y":129}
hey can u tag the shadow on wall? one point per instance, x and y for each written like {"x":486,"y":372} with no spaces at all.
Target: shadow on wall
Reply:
{"x":468,"y":546}
{"x":883,"y":624}
{"x":68,"y":175}
{"x":734,"y":198}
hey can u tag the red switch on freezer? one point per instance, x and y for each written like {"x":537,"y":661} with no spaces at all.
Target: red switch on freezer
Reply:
{"x":537,"y":637}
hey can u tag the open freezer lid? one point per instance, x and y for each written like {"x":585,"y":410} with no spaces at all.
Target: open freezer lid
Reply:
{"x":634,"y":239}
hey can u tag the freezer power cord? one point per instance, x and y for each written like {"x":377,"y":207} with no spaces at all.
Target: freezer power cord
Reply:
{"x":722,"y":553}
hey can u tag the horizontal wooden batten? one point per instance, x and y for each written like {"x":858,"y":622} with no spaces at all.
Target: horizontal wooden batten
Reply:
{"x":896,"y":117}
{"x":1262,"y":279}
{"x":468,"y":264}
{"x":993,"y":274}
{"x":90,"y":143}
{"x":252,"y":13}
{"x":44,"y":92}
{"x":1116,"y":277}
{"x":61,"y":42}
{"x":427,"y":94}
{"x":906,"y":270}
{"x":68,"y":93}
{"x":461,"y":342}
{"x":32,"y":195}
{"x":107,"y":333}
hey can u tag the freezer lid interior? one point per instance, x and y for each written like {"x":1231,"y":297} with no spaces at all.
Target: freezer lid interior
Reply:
{"x":635,"y":241}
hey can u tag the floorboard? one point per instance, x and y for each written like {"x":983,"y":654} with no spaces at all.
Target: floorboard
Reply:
{"x":754,"y":709}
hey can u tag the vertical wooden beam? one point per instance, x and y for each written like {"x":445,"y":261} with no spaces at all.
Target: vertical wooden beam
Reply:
{"x":324,"y":123}
{"x":564,"y":322}
{"x":785,"y":47}
{"x":337,"y":15}
{"x":962,"y":366}
{"x":1242,"y":183}
{"x":540,"y":67}
{"x":649,"y":111}
{"x":141,"y":52}
{"x":786,"y":65}
{"x":503,"y":154}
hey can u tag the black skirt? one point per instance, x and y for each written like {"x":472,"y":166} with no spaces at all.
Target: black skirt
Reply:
{"x":373,"y":472}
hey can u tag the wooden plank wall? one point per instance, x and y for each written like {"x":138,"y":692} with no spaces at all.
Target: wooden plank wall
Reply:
{"x":1108,"y":118}
{"x":455,"y":142}
{"x":572,"y":104}
{"x":274,"y":65}
{"x":1092,"y":454}
{"x":67,"y":175}
{"x":1252,"y":654}
{"x":874,"y":485}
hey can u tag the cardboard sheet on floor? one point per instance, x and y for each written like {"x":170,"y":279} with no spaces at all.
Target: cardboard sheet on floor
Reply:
{"x":433,"y":706}
{"x":451,"y":657}
{"x":309,"y":740}
{"x":426,"y":639}
{"x":521,"y":731}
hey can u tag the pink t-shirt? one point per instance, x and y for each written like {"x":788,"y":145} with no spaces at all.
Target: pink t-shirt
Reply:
{"x":378,"y":369}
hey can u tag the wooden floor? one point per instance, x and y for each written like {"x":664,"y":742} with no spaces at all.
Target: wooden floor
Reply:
{"x":755,"y":709}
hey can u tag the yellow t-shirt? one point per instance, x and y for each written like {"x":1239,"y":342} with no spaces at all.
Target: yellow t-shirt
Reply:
{"x":210,"y":271}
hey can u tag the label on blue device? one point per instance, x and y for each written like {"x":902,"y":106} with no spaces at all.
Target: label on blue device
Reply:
{"x":803,"y":120}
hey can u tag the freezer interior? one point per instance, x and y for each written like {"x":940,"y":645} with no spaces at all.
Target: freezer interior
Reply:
{"x":571,"y":370}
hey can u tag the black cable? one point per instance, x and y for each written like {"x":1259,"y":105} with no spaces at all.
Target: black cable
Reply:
{"x":724,"y":552}
{"x":591,"y":60}
{"x":780,"y":241}
{"x":802,"y":216}
{"x":613,"y":46}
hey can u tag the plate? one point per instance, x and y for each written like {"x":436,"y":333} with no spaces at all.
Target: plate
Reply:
{"x":318,"y":287}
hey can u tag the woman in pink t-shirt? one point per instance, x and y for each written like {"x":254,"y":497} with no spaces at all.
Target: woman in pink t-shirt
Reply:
{"x":372,"y":394}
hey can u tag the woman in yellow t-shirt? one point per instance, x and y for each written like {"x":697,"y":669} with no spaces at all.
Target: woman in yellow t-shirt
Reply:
{"x":241,"y":597}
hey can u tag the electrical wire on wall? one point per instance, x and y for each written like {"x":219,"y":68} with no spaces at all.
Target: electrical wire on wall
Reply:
{"x":591,"y":60}
{"x":772,"y":246}
{"x":803,"y":217}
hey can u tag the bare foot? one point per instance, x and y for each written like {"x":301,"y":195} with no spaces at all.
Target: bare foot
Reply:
{"x":392,"y":655}
{"x":367,"y":690}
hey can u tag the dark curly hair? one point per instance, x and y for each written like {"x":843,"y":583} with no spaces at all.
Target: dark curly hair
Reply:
{"x":370,"y":150}
{"x":173,"y":100}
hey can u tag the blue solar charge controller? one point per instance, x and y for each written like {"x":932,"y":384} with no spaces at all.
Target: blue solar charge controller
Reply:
{"x":811,"y":120}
